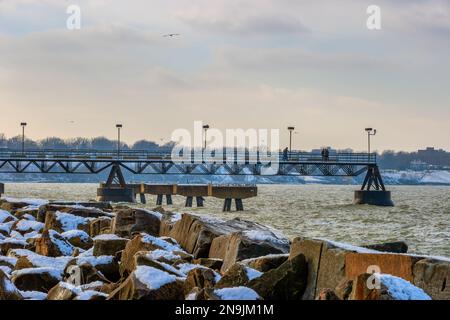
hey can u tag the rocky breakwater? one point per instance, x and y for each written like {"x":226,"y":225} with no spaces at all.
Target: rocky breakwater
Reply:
{"x":93,"y":251}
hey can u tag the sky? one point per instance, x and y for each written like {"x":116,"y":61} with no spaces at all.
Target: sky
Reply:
{"x":263,"y":64}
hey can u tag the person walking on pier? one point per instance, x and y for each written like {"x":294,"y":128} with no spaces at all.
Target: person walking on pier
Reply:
{"x":325,"y":154}
{"x":285,"y":154}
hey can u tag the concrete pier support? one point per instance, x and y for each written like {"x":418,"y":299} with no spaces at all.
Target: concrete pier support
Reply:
{"x":142,"y":198}
{"x":228,"y":202}
{"x":199,"y":201}
{"x":2,"y":189}
{"x":378,"y":196}
{"x":160,"y":198}
{"x":188,"y":203}
{"x":116,"y":195}
{"x":373,"y":197}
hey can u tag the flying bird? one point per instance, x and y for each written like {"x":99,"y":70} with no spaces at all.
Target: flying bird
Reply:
{"x":171,"y":35}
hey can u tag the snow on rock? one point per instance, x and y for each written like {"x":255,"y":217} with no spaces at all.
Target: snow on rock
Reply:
{"x":55,"y":273}
{"x":153,"y":213}
{"x":401,"y":289}
{"x":252,"y":273}
{"x":350,"y":247}
{"x":269,"y":235}
{"x":64,"y":247}
{"x":31,"y":202}
{"x":33,"y":295}
{"x":153,"y":278}
{"x":58,"y":263}
{"x":108,"y":237}
{"x":6,"y":270}
{"x":184,"y":268}
{"x":146,"y":238}
{"x":88,"y":294}
{"x":5,"y":215}
{"x":75,"y":234}
{"x":94,"y":261}
{"x":28,"y":226}
{"x":69,"y":221}
{"x":237,"y":293}
{"x":162,"y":254}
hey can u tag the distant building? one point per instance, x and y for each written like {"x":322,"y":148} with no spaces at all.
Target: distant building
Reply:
{"x":419,"y":165}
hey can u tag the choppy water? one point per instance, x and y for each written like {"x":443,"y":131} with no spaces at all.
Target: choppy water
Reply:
{"x":420,"y":217}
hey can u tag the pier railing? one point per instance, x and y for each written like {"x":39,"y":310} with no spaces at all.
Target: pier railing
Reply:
{"x":208,"y":156}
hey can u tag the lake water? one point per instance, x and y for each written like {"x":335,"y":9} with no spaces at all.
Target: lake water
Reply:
{"x":420,"y":217}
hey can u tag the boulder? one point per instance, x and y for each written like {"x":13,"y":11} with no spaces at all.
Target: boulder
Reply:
{"x":108,"y":266}
{"x":148,"y":283}
{"x":36,"y":279}
{"x":12,"y":206}
{"x":24,"y":226}
{"x":142,"y":258}
{"x":215,"y":264}
{"x":199,"y":278}
{"x":234,"y":277}
{"x":63,"y":291}
{"x":78,"y":238}
{"x":129,"y":221}
{"x":52,"y":244}
{"x":327,"y":294}
{"x":433,"y":276}
{"x":6,"y":217}
{"x":236,"y":293}
{"x":100,"y":226}
{"x":385,"y":287}
{"x":90,"y":295}
{"x":393,"y":247}
{"x":108,"y":245}
{"x":75,"y":210}
{"x":8,"y":290}
{"x":266,"y":263}
{"x":12,"y":243}
{"x":287,"y":282}
{"x":168,"y":221}
{"x":84,"y":273}
{"x":195,"y":234}
{"x":255,"y":242}
{"x":62,"y":222}
{"x":142,"y":242}
{"x":330,"y":263}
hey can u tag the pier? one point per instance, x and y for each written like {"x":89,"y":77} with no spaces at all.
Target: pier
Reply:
{"x":116,"y":189}
{"x":190,"y":191}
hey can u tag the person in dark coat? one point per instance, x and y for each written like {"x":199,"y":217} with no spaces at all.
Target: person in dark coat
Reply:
{"x":285,"y":154}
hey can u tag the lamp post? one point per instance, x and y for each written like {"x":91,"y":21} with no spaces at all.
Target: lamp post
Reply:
{"x":205,"y":128}
{"x":118,"y":126}
{"x":23,"y":125}
{"x":291,"y":130}
{"x":370,"y":132}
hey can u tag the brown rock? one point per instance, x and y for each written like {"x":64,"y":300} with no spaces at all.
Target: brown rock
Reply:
{"x":362,"y":292}
{"x":140,"y":242}
{"x":62,"y":291}
{"x":433,"y":276}
{"x":79,"y":239}
{"x":266,"y":263}
{"x":56,"y":221}
{"x":129,"y":221}
{"x":287,"y":282}
{"x":36,"y":279}
{"x":52,"y":244}
{"x":329,"y":264}
{"x":236,"y":276}
{"x":100,"y":226}
{"x":215,"y":264}
{"x":200,"y":278}
{"x":12,"y":207}
{"x":10,"y":244}
{"x":143,"y":284}
{"x":327,"y":294}
{"x":8,"y":290}
{"x":392,"y":247}
{"x":240,"y":247}
{"x":108,"y":245}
